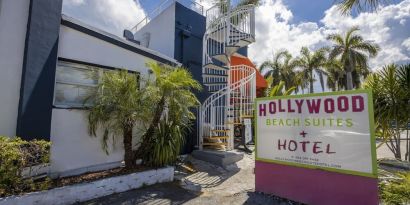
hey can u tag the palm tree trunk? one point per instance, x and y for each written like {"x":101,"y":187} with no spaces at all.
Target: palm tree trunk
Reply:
{"x":128,"y":153}
{"x":349,"y":78}
{"x":407,"y":144}
{"x":349,"y":81}
{"x":311,"y":82}
{"x":145,"y":146}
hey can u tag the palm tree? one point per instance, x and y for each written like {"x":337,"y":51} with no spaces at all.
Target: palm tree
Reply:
{"x":120,"y":103}
{"x":170,"y":94}
{"x":311,"y":61}
{"x":347,"y":5}
{"x":280,"y":69}
{"x":116,"y":110}
{"x":390,"y":105}
{"x":334,"y":73}
{"x":351,"y":50}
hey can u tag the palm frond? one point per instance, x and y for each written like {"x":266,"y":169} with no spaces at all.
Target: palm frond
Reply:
{"x":346,"y":6}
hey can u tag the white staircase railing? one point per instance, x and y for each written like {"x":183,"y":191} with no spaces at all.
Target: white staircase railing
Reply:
{"x":224,"y":108}
{"x":228,"y":28}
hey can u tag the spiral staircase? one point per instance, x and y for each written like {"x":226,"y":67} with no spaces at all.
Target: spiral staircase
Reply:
{"x":229,"y":27}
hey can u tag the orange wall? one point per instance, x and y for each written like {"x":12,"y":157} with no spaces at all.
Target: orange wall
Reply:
{"x":260,"y":81}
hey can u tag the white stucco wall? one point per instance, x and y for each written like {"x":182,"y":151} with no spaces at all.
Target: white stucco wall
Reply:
{"x":79,"y":46}
{"x":162,"y":32}
{"x":72,"y":147}
{"x":13,"y":26}
{"x":73,"y":151}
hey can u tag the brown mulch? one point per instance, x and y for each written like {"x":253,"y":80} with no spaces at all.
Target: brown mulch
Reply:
{"x":94,"y":176}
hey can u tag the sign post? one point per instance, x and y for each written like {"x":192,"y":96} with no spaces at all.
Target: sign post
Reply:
{"x":317,"y":148}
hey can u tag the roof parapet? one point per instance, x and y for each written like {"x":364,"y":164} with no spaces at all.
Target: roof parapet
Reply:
{"x":164,"y":5}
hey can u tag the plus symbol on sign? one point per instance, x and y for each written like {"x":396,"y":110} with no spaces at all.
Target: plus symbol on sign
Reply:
{"x":303,"y":133}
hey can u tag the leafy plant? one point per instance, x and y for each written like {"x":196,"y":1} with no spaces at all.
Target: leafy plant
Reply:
{"x":120,"y":104}
{"x":15,"y":155}
{"x":404,"y":80}
{"x":116,"y":109}
{"x":167,"y":143}
{"x":279,"y":90}
{"x":390,"y":106}
{"x":397,"y":191}
{"x":172,"y":95}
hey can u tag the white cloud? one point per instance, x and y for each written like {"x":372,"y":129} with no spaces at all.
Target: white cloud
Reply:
{"x":110,"y":15}
{"x":73,"y":2}
{"x":389,"y":27}
{"x":406,"y":44}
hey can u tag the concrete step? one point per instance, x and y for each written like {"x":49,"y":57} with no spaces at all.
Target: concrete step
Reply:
{"x":217,"y":137}
{"x":220,"y":158}
{"x":224,"y":131}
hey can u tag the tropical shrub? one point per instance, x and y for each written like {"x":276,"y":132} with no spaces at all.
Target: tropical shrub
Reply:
{"x":167,"y":143}
{"x":15,"y":155}
{"x":120,"y":104}
{"x":279,"y":90}
{"x":396,"y":191}
{"x":172,"y":95}
{"x":116,"y":109}
{"x":391,"y":105}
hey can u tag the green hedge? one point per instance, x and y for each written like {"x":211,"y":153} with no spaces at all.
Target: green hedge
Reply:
{"x":397,"y":191}
{"x":15,"y":155}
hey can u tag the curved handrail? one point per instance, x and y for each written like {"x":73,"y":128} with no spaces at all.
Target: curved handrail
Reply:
{"x":237,"y":16}
{"x":207,"y":105}
{"x":236,"y":84}
{"x":248,"y":7}
{"x":225,"y":107}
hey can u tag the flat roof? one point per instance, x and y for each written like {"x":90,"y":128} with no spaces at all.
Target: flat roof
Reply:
{"x":116,"y":40}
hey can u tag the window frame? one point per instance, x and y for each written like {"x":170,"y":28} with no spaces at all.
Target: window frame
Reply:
{"x":85,"y":66}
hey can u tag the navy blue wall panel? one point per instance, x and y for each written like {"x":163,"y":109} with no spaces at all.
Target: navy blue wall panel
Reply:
{"x":189,"y":31}
{"x":243,"y":51}
{"x":40,"y":59}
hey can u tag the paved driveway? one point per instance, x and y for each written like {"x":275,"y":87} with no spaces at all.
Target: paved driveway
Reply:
{"x":209,"y":185}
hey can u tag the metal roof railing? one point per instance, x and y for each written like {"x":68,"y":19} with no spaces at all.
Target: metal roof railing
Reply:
{"x":164,"y":5}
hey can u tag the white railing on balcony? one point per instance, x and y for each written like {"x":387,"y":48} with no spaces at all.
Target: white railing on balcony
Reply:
{"x":164,"y":5}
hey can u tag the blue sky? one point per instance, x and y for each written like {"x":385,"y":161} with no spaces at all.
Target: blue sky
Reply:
{"x":280,"y":24}
{"x":149,"y":5}
{"x":308,"y":10}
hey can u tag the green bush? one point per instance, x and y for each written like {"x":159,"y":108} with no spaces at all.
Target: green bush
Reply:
{"x":167,"y":143}
{"x":15,"y":155}
{"x":396,"y":192}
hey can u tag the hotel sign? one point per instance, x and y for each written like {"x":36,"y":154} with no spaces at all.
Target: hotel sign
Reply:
{"x":330,"y":131}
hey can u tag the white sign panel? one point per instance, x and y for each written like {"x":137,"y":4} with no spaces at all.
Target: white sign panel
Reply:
{"x":332,"y":131}
{"x":248,"y":130}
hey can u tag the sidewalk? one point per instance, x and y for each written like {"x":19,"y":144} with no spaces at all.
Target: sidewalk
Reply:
{"x":208,"y":185}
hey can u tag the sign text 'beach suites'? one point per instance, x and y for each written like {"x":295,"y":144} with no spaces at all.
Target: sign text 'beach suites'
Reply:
{"x":329,"y":131}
